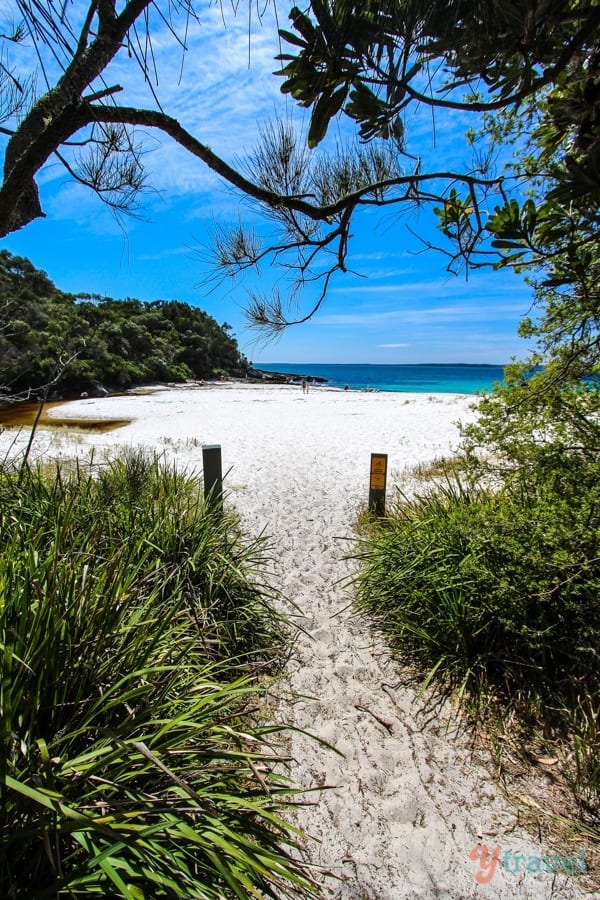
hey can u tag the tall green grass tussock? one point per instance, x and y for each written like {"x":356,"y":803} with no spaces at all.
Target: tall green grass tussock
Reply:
{"x":133,"y":635}
{"x":495,"y":595}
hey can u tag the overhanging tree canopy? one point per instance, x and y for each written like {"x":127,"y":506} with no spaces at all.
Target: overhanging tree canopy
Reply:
{"x":519,"y":74}
{"x":524,"y":66}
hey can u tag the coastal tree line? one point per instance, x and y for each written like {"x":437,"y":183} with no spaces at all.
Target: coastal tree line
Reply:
{"x":76,"y":342}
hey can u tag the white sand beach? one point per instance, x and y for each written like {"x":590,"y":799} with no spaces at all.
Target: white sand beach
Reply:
{"x":409,"y":800}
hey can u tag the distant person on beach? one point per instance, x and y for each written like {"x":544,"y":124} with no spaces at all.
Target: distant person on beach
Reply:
{"x":304,"y":386}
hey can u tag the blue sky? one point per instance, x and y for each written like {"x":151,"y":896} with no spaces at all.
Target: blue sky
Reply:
{"x":399,"y":305}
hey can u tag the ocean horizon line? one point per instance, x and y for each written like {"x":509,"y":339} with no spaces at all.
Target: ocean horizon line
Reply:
{"x":450,"y":378}
{"x":257,"y":365}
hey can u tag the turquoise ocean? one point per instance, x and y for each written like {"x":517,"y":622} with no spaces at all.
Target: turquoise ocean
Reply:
{"x":426,"y":379}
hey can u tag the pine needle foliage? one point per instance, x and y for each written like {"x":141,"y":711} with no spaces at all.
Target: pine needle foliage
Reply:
{"x":133,"y":634}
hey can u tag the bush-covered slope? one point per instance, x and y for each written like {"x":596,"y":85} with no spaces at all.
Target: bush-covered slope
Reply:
{"x":46,"y":334}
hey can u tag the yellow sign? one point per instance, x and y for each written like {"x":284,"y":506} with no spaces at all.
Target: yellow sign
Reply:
{"x":378,"y":464}
{"x":377,"y":483}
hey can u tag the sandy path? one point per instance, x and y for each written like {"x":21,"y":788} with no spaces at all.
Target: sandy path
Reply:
{"x":407,"y":801}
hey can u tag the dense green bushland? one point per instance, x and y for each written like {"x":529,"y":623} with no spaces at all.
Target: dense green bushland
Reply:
{"x":133,"y":635}
{"x":119,"y":343}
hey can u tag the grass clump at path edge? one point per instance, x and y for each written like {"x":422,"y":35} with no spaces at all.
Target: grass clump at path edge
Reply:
{"x":133,"y":635}
{"x":493,"y":594}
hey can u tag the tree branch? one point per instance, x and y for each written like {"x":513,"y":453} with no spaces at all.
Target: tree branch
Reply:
{"x":170,"y":126}
{"x":54,"y":118}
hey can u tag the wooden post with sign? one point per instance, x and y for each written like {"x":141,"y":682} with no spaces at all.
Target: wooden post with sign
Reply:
{"x":213,"y":474}
{"x":377,"y":484}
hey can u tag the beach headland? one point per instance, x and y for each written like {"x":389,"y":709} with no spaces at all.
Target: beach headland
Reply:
{"x":409,"y":805}
{"x":260,"y":376}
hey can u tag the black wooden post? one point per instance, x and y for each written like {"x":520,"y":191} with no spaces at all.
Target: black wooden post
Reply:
{"x":213,"y":474}
{"x":377,"y":484}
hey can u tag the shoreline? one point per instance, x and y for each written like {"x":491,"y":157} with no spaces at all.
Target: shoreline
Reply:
{"x":256,"y":378}
{"x":57,"y":412}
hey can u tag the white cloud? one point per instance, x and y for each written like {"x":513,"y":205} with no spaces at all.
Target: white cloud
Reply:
{"x":427,"y":316}
{"x":377,"y":274}
{"x":168,"y":253}
{"x":363,"y":257}
{"x":220,"y":89}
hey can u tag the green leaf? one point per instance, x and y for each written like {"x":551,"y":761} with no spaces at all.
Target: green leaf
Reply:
{"x":302,"y":23}
{"x":325,"y":109}
{"x":505,"y":244}
{"x":292,"y":39}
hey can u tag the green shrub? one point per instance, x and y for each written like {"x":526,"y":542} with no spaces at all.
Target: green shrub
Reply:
{"x":132,"y":632}
{"x":497,"y":593}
